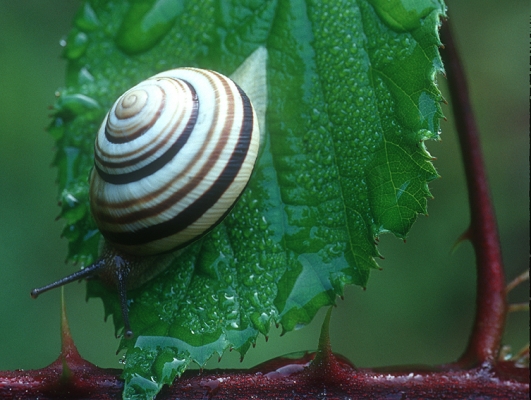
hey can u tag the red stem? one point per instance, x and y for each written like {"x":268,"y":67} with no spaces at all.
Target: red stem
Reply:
{"x":491,"y":304}
{"x":280,"y":378}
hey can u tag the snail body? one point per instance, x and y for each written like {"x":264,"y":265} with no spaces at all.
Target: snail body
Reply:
{"x":171,"y":158}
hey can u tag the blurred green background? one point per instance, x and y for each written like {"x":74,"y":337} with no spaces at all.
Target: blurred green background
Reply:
{"x":418,"y":309}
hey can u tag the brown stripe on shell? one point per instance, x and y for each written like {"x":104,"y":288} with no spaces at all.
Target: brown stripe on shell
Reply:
{"x":182,"y":86}
{"x":99,"y":153}
{"x":136,"y":133}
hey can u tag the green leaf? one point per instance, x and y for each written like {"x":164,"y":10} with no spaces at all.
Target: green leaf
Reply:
{"x":351,"y":100}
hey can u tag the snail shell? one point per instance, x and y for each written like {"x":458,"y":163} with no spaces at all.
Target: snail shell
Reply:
{"x":171,"y":158}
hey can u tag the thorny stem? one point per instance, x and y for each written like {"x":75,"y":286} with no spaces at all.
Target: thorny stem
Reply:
{"x":491,"y":307}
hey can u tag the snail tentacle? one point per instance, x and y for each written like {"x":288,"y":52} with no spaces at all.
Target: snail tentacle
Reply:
{"x":89,"y":271}
{"x":122,"y":272}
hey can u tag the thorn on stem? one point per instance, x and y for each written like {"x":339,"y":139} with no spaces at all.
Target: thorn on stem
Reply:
{"x":517,"y":281}
{"x":466,"y":235}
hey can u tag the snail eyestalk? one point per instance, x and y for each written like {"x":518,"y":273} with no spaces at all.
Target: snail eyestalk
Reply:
{"x":122,"y":271}
{"x":91,"y":270}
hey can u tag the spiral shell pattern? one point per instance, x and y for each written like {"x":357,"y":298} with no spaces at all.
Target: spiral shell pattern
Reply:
{"x":172,"y":156}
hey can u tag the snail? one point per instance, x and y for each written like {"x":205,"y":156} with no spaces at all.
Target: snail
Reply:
{"x":171,"y":158}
